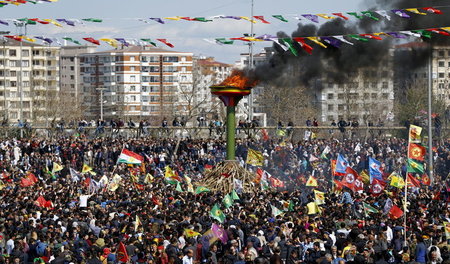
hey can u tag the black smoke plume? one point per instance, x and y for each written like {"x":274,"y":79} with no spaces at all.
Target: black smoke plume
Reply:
{"x":338,"y":63}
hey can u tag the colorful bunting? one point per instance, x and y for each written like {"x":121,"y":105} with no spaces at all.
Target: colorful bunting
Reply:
{"x":261,"y":18}
{"x":400,"y":13}
{"x":166,"y":42}
{"x":280,"y":17}
{"x":340,"y":15}
{"x":313,"y":18}
{"x":370,"y":15}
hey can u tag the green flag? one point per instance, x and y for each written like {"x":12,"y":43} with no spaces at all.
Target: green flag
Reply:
{"x":178,"y":187}
{"x":171,"y":181}
{"x":357,"y":37}
{"x":97,"y":20}
{"x":369,"y":209}
{"x":234,"y":195}
{"x":264,"y":185}
{"x":289,"y":42}
{"x":202,"y":19}
{"x":31,"y":1}
{"x":217,"y":214}
{"x":149,"y":41}
{"x":29,"y":22}
{"x":355,"y":14}
{"x":201,"y":189}
{"x":414,"y":166}
{"x":281,"y":133}
{"x":72,"y":40}
{"x":291,"y":206}
{"x":423,"y":32}
{"x":280,"y":17}
{"x":224,"y":41}
{"x":227,"y":201}
{"x":371,"y":15}
{"x":275,"y":211}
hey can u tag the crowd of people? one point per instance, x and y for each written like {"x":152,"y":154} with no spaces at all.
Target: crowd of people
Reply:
{"x":130,"y":213}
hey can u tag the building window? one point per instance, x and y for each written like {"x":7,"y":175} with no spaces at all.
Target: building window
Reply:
{"x":25,"y":53}
{"x":144,"y":99}
{"x":441,"y":63}
{"x":385,"y":96}
{"x":12,"y":53}
{"x":133,"y":98}
{"x":341,"y":96}
{"x":341,"y":107}
{"x":170,"y":59}
{"x":132,"y":88}
{"x":154,"y":98}
{"x":441,"y":75}
{"x":441,"y":53}
{"x":132,"y":108}
{"x":330,"y":96}
{"x":132,"y":58}
{"x":374,"y":95}
{"x":132,"y":68}
{"x":330,"y":107}
{"x":154,"y":89}
{"x":132,"y":78}
{"x":385,"y":85}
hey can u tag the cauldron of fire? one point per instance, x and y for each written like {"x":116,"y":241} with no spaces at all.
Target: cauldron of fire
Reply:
{"x":230,"y":92}
{"x":228,"y":175}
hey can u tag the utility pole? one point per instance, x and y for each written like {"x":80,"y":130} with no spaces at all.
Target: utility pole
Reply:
{"x":250,"y":63}
{"x":5,"y":107}
{"x":21,"y":25}
{"x":430,"y":124}
{"x":101,"y":101}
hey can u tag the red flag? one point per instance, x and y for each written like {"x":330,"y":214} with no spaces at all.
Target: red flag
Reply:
{"x":432,"y":10}
{"x":208,"y":167}
{"x":340,"y":15}
{"x":261,"y":18}
{"x":426,"y":180}
{"x":87,"y":182}
{"x":395,"y":212}
{"x":41,"y":202}
{"x":122,"y":254}
{"x":17,"y":38}
{"x":265,"y":134}
{"x":166,"y":42}
{"x":370,"y":36}
{"x":276,"y":182}
{"x":352,"y":180}
{"x":412,"y":181}
{"x":94,"y":41}
{"x":339,"y":185}
{"x":438,"y":31}
{"x":416,"y":151}
{"x":377,"y":187}
{"x":40,"y":21}
{"x":303,"y":44}
{"x":28,"y":180}
{"x":259,"y":175}
{"x":188,"y":18}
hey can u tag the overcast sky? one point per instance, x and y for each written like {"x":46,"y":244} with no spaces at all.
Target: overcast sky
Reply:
{"x":121,"y":20}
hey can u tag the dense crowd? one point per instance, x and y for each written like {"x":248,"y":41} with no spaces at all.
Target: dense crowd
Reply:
{"x":65,"y":218}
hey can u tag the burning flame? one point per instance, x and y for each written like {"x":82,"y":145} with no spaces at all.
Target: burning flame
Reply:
{"x":239,"y":80}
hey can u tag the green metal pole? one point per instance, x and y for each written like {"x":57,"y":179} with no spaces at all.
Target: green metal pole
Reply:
{"x":231,"y":127}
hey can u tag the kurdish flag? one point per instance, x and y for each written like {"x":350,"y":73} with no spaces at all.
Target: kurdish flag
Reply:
{"x":217,"y":214}
{"x":414,"y":166}
{"x":130,"y":157}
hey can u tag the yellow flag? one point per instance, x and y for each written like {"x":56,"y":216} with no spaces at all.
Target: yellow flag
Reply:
{"x":53,"y":22}
{"x":326,"y":16}
{"x":313,"y":208}
{"x":148,"y":178}
{"x":365,"y":177}
{"x":137,"y":223}
{"x":86,"y":168}
{"x":2,"y":185}
{"x":414,"y":134}
{"x":319,"y":197}
{"x":397,"y":181}
{"x":56,"y":167}
{"x":191,"y":233}
{"x":104,"y":180}
{"x":316,"y":40}
{"x":111,"y":42}
{"x":173,"y":18}
{"x":311,"y":182}
{"x":447,"y":229}
{"x":254,"y":157}
{"x":415,"y":11}
{"x":248,"y":19}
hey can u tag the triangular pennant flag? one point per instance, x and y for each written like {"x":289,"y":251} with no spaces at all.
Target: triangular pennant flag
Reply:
{"x":166,"y":42}
{"x":280,"y":17}
{"x":56,"y":167}
{"x":340,"y":15}
{"x":275,"y":211}
{"x":415,"y":11}
{"x":370,"y":15}
{"x":311,"y":182}
{"x":316,"y":40}
{"x":92,"y":40}
{"x":261,"y":18}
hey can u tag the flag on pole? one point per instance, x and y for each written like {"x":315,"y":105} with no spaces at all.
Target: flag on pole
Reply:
{"x":234,"y":195}
{"x":275,"y":211}
{"x":377,"y":187}
{"x":311,"y":182}
{"x":130,"y":157}
{"x":341,"y":165}
{"x":255,"y":157}
{"x":319,"y":197}
{"x":397,"y":181}
{"x":217,"y":214}
{"x":313,"y":208}
{"x":416,"y":151}
{"x":122,"y":254}
{"x":414,"y":134}
{"x":414,"y":166}
{"x":56,"y":167}
{"x":28,"y":180}
{"x":201,"y":189}
{"x":191,"y":233}
{"x":395,"y":212}
{"x":178,"y":188}
{"x":412,"y":181}
{"x":86,"y":168}
{"x":375,"y":169}
{"x":369,"y":209}
{"x":220,"y":233}
{"x":137,"y":223}
{"x":227,"y":201}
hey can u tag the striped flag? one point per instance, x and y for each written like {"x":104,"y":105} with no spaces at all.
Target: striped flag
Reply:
{"x":130,"y":157}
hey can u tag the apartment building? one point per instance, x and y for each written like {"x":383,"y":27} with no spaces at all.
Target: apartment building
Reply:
{"x":207,"y":72}
{"x":71,"y":83}
{"x":136,"y":82}
{"x":29,"y":81}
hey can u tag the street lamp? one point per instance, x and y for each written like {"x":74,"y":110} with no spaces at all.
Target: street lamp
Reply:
{"x":101,"y":101}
